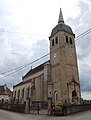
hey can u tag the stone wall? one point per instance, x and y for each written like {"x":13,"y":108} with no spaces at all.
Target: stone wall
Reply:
{"x":13,"y":107}
{"x":75,"y":108}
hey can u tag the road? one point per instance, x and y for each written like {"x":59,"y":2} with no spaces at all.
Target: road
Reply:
{"x":6,"y":115}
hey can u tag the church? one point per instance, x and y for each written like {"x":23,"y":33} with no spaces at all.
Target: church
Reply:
{"x":56,"y":80}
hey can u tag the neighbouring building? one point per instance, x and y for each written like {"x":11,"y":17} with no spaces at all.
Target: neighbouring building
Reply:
{"x":57,"y":79}
{"x":5,"y":94}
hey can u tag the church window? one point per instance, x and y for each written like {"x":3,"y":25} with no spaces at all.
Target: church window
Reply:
{"x":15,"y":95}
{"x":28,"y":91}
{"x":74,"y":93}
{"x":56,"y":40}
{"x":53,"y":42}
{"x":18,"y":95}
{"x":56,"y":97}
{"x":67,"y":39}
{"x":70,"y":40}
{"x":23,"y":93}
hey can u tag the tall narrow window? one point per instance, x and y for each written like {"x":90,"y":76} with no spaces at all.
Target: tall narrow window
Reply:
{"x":56,"y":97}
{"x":18,"y":95}
{"x":67,"y":39}
{"x":53,"y":42}
{"x":70,"y":40}
{"x":28,"y":91}
{"x":15,"y":95}
{"x":23,"y":93}
{"x":56,"y":40}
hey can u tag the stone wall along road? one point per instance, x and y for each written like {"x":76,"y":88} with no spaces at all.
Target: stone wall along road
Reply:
{"x":7,"y":115}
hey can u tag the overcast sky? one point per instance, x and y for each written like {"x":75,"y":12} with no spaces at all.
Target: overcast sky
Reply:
{"x":25,"y":26}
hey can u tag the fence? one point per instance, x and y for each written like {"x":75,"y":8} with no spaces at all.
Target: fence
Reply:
{"x":39,"y":107}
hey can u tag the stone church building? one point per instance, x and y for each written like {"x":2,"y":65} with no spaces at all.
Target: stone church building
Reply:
{"x":57,"y":79}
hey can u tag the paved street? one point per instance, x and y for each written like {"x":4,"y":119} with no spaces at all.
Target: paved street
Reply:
{"x":6,"y":115}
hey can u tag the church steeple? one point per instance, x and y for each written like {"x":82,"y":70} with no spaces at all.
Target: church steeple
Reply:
{"x":60,"y":20}
{"x":61,"y":26}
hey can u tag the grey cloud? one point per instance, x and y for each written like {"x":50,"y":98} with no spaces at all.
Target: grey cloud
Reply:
{"x":79,"y":25}
{"x":13,"y":60}
{"x":85,"y":82}
{"x":10,"y":44}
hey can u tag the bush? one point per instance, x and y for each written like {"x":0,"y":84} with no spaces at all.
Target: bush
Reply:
{"x":58,"y":106}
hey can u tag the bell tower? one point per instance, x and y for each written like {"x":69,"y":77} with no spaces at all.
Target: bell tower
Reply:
{"x":63,"y":60}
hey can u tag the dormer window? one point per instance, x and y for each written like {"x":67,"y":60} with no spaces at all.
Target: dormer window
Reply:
{"x":53,"y":42}
{"x":56,"y":40}
{"x":67,"y":39}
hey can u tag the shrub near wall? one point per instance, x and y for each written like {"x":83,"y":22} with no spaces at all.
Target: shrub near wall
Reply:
{"x":58,"y":109}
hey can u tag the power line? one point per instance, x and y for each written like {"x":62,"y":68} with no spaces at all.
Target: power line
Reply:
{"x":24,"y":66}
{"x":28,"y":64}
{"x":21,"y":67}
{"x":24,"y":33}
{"x":83,"y":34}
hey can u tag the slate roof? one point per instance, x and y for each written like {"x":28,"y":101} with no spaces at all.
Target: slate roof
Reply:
{"x":61,"y":27}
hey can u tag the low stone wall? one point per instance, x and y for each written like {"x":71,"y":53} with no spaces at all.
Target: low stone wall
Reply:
{"x":75,"y":108}
{"x":13,"y":107}
{"x":42,"y":112}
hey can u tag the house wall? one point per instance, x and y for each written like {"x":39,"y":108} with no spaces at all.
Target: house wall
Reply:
{"x":5,"y":98}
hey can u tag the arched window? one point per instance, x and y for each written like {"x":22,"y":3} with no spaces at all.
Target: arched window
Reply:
{"x":56,"y":95}
{"x":74,"y":93}
{"x":70,"y":40}
{"x":2,"y":100}
{"x":23,"y":93}
{"x":67,"y":39}
{"x":15,"y":94}
{"x":28,"y":91}
{"x":53,"y":42}
{"x":18,"y":95}
{"x":56,"y":40}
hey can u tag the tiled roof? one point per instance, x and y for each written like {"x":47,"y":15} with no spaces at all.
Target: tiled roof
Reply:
{"x":4,"y":90}
{"x":31,"y":72}
{"x":35,"y":70}
{"x":22,"y":83}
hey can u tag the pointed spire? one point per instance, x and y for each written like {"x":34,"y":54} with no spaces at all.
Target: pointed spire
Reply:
{"x":61,"y":20}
